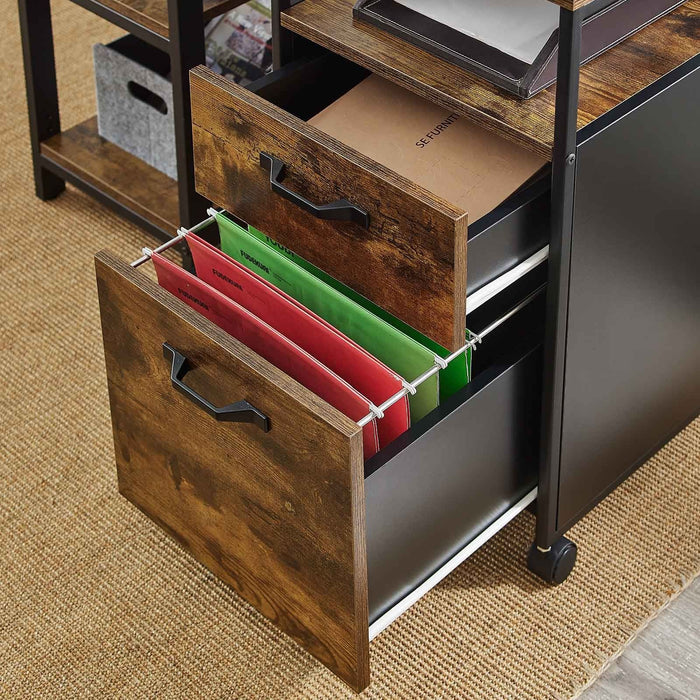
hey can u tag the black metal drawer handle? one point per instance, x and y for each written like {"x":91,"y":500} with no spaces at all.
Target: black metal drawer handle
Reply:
{"x":239,"y":412}
{"x":340,"y":210}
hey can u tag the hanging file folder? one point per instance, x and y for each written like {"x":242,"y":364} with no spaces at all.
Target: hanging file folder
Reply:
{"x":310,"y":332}
{"x":268,"y":343}
{"x":451,"y":379}
{"x":392,"y":347}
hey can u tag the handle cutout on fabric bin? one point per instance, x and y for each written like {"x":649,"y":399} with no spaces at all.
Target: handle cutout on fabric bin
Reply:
{"x":239,"y":412}
{"x":340,"y":210}
{"x":143,"y":94}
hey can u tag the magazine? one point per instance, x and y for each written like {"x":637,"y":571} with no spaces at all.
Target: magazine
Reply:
{"x":239,"y":42}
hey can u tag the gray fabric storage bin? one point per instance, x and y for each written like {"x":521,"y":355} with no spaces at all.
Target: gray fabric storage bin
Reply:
{"x":135,"y":101}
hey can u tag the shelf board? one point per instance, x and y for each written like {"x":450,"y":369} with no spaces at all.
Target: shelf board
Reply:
{"x":605,"y":82}
{"x":153,"y":14}
{"x":571,"y":4}
{"x":124,"y":178}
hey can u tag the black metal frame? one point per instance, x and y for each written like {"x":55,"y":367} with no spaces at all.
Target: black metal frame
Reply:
{"x":283,"y":41}
{"x":42,"y":89}
{"x":563,"y":187}
{"x":186,"y":20}
{"x":286,"y":45}
{"x":185,"y":47}
{"x":129,"y":25}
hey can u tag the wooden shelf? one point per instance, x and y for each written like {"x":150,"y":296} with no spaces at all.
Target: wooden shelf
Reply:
{"x":605,"y":82}
{"x":126,"y":179}
{"x":571,"y":4}
{"x":153,"y":14}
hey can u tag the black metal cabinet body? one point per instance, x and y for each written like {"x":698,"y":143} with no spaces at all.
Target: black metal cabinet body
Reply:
{"x":632,"y":376}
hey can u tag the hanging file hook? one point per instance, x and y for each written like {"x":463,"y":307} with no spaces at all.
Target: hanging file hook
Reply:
{"x":181,"y":233}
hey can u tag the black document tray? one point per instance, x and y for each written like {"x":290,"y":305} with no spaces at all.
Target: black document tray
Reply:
{"x":607,"y":24}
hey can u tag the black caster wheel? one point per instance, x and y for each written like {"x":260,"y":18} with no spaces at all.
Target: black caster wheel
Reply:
{"x":555,"y":564}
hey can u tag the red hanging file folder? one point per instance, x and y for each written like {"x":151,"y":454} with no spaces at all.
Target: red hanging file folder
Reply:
{"x":285,"y":314}
{"x":268,"y":343}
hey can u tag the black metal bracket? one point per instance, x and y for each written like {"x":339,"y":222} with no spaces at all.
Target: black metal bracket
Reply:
{"x":340,"y":210}
{"x":239,"y":412}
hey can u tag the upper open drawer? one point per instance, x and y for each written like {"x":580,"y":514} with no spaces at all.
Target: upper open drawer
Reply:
{"x":375,"y":230}
{"x":402,"y":248}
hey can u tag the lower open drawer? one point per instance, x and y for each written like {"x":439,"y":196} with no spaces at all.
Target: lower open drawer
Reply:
{"x":284,"y":509}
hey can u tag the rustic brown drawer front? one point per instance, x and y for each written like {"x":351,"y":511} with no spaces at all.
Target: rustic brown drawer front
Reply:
{"x":278,"y":515}
{"x":410,"y":258}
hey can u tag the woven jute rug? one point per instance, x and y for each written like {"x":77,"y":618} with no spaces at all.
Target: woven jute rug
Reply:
{"x":95,"y":601}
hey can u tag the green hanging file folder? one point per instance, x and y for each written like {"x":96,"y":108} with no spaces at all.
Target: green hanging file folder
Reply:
{"x":455,"y":376}
{"x":387,"y":343}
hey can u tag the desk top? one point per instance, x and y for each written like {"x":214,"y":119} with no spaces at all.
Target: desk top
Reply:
{"x":605,"y":82}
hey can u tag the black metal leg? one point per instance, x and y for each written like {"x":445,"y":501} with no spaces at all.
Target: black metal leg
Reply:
{"x":282,"y":39}
{"x":42,"y":90}
{"x":563,"y":181}
{"x":186,"y":51}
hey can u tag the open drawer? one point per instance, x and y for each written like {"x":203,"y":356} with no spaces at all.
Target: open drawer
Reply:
{"x":378,"y":232}
{"x":282,"y":508}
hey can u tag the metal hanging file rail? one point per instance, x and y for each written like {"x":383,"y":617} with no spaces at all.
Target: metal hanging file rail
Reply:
{"x":440,"y":363}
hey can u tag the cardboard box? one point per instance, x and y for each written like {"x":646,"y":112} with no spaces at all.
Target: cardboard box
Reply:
{"x":442,"y":151}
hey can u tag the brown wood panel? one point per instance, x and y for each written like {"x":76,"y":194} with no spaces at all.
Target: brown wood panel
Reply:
{"x":412,"y":259}
{"x":279,"y":516}
{"x":123,"y":177}
{"x":605,"y":82}
{"x":153,"y":14}
{"x":571,"y":4}
{"x":213,"y":8}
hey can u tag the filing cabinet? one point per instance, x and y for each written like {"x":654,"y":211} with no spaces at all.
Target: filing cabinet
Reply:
{"x":331,"y":548}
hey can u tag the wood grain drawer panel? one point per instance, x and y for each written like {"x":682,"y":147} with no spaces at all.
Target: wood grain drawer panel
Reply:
{"x":278,"y":515}
{"x":412,"y":258}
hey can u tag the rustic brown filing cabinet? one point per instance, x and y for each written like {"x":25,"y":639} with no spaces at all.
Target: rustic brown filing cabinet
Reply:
{"x":328,"y":547}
